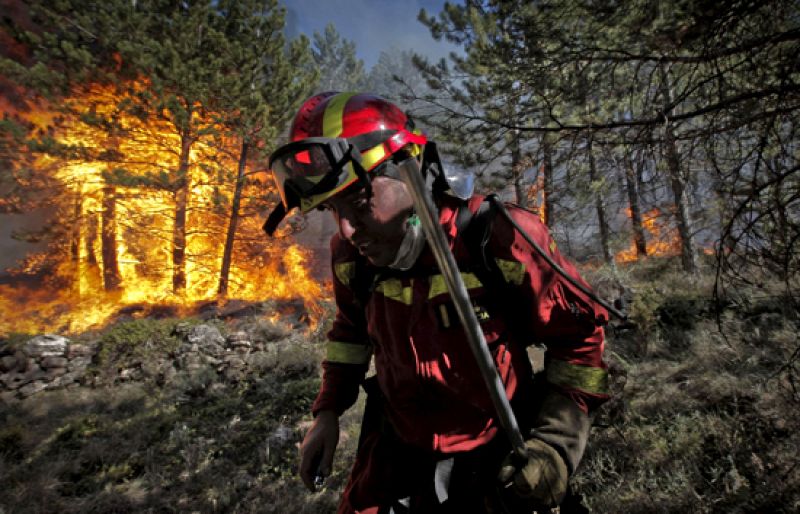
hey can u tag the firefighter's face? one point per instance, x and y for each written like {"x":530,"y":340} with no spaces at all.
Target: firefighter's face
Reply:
{"x":375,"y":225}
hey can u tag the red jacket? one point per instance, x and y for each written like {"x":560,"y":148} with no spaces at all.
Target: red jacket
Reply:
{"x":434,"y":393}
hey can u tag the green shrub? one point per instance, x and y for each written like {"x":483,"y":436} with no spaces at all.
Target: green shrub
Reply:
{"x":134,"y":341}
{"x":14,"y":340}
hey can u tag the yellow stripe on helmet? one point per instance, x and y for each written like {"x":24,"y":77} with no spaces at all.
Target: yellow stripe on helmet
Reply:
{"x":371,"y":157}
{"x":333,"y":118}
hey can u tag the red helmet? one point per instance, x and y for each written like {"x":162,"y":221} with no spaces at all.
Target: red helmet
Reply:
{"x":336,"y":138}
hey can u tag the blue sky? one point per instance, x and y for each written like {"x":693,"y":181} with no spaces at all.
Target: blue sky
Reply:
{"x":374,"y":25}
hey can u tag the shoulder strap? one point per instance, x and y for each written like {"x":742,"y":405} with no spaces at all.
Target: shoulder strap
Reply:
{"x":363,"y":281}
{"x":477,"y":233}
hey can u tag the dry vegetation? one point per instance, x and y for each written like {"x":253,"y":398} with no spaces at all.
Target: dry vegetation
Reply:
{"x":703,"y":421}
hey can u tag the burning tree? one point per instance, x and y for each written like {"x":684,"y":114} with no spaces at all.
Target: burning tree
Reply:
{"x":138,"y":120}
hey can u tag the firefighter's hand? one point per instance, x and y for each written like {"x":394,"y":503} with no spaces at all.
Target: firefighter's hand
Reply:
{"x":319,"y":445}
{"x":541,"y":479}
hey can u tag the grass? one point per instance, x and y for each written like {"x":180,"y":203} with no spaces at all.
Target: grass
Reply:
{"x":710,"y":416}
{"x":703,"y":419}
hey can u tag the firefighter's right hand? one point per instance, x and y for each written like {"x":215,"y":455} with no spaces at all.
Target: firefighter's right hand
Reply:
{"x":319,"y":445}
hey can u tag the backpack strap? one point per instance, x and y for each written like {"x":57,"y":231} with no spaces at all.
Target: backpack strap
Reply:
{"x":477,"y":233}
{"x":363,"y":282}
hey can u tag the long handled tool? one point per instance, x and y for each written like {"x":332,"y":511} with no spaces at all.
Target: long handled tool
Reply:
{"x":423,"y":203}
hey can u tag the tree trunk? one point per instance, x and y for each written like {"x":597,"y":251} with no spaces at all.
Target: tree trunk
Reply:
{"x":517,"y":170}
{"x":602,"y":219}
{"x":678,"y":183}
{"x":75,"y":243}
{"x":230,"y":237}
{"x":108,"y":239}
{"x":548,"y":214}
{"x":181,"y":195}
{"x":632,"y":188}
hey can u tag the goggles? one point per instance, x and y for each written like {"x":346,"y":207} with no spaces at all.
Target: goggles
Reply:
{"x":309,"y":171}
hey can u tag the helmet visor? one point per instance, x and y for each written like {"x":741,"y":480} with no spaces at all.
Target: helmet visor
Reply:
{"x":311,"y":170}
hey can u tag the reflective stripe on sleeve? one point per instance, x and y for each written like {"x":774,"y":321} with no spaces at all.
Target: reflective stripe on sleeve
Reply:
{"x":439,"y":286}
{"x":513,"y":271}
{"x":393,"y":289}
{"x":348,"y":353}
{"x":345,"y":272}
{"x":574,"y":376}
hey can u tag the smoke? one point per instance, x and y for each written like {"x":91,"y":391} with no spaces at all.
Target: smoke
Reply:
{"x":12,"y":250}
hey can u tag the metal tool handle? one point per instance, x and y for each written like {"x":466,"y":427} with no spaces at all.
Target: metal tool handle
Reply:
{"x":412,"y":177}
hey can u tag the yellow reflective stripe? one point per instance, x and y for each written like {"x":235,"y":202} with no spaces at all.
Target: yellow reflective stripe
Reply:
{"x":345,"y":271}
{"x":348,"y":353}
{"x":513,"y":271}
{"x":393,"y":289}
{"x":306,"y":204}
{"x":586,"y":378}
{"x":333,"y":119}
{"x":372,"y":156}
{"x":438,"y":285}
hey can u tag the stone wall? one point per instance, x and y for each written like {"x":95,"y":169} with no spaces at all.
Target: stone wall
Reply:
{"x":51,"y":361}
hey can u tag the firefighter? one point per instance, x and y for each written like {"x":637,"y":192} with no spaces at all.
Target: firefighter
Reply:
{"x":430,"y":441}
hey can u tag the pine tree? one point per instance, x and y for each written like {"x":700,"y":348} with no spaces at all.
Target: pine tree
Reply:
{"x":335,"y":58}
{"x":269,"y":81}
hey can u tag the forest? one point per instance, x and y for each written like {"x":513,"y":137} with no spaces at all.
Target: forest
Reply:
{"x":657,"y":140}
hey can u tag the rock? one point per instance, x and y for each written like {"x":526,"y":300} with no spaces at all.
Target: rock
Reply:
{"x":207,"y":337}
{"x":22,"y":360}
{"x":32,"y":388}
{"x":189,"y":361}
{"x":81,"y":350}
{"x":8,"y":363}
{"x":8,"y":397}
{"x":11,"y":380}
{"x":79,"y":363}
{"x":53,"y":373}
{"x":46,"y":345}
{"x":238,"y":336}
{"x":65,"y":380}
{"x":211,"y":360}
{"x":54,"y":362}
{"x":128,"y":374}
{"x":17,"y":379}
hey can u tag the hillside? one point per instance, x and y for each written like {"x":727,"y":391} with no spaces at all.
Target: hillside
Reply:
{"x":205,"y":414}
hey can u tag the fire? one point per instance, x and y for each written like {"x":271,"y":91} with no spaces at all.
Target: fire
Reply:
{"x":663,"y":240}
{"x":117,"y":246}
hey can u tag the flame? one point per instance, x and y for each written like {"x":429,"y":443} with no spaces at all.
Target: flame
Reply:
{"x":662,"y":240}
{"x":63,"y":288}
{"x":537,"y":195}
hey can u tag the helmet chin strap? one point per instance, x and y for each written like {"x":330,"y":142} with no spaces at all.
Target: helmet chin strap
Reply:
{"x":412,"y":245}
